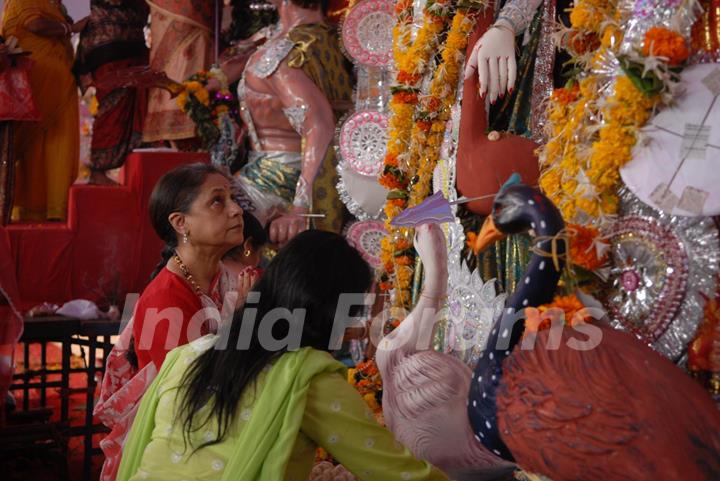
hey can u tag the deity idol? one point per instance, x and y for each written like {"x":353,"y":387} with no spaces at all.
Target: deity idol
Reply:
{"x":291,"y":90}
{"x":504,"y":94}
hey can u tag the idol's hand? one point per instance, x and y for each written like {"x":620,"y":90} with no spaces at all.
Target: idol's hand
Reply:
{"x":493,"y":56}
{"x":288,"y":225}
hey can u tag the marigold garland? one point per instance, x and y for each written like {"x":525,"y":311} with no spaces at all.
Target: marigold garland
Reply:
{"x":582,"y":158}
{"x":624,"y":113}
{"x":365,"y":377}
{"x":704,"y":350}
{"x":203,"y":107}
{"x":585,"y":250}
{"x":432,"y":120}
{"x":416,"y":127}
{"x":590,"y":15}
{"x":411,"y":60}
{"x":665,"y":43}
{"x":562,"y":155}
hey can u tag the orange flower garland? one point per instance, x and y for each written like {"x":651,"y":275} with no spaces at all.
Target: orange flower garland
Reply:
{"x":416,"y":129}
{"x":583,"y":156}
{"x":583,"y":247}
{"x":365,"y":377}
{"x":205,"y":109}
{"x":430,"y":127}
{"x":704,"y":351}
{"x":411,"y":61}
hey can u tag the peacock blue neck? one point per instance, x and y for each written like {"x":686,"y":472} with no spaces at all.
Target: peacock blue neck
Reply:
{"x":536,"y":287}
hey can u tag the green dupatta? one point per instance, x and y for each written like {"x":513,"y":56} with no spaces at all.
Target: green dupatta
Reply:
{"x":262,"y":449}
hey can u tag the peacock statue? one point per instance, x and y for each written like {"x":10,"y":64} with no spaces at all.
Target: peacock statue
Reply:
{"x":591,"y":403}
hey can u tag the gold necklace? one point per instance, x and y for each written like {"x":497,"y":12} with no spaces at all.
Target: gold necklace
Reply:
{"x":188,"y":276}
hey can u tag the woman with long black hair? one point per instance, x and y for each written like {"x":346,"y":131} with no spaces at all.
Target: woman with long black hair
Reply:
{"x":255,"y":403}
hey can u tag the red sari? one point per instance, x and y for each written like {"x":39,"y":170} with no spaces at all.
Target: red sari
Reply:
{"x":123,"y":386}
{"x":166,"y":291}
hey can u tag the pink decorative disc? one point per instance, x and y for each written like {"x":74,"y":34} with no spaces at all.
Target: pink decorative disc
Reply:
{"x":363,"y":142}
{"x":367,"y":32}
{"x":365,"y":236}
{"x":649,"y":279}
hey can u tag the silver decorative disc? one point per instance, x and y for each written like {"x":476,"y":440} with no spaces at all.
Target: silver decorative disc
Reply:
{"x":363,"y":142}
{"x":366,"y":236}
{"x":367,"y":32}
{"x":662,"y":264}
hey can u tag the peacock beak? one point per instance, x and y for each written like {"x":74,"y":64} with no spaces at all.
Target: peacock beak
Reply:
{"x":488,"y":235}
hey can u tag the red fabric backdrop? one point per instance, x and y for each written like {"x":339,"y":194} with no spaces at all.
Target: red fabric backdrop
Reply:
{"x":10,"y":322}
{"x":106,"y":250}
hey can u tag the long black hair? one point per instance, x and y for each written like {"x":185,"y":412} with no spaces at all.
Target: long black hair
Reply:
{"x":176,"y":190}
{"x":310,"y":273}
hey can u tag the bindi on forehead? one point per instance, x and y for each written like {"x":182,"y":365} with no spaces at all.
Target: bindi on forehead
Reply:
{"x":218,"y":186}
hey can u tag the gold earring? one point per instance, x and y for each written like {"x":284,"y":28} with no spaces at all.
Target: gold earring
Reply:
{"x":247,"y":252}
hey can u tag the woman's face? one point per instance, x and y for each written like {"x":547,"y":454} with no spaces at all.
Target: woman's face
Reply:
{"x":214,"y":218}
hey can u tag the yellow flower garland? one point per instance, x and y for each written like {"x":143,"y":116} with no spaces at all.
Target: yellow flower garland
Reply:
{"x":411,"y":60}
{"x":625,"y":112}
{"x":580,"y":162}
{"x":425,"y":149}
{"x":416,"y":131}
{"x":563,"y":155}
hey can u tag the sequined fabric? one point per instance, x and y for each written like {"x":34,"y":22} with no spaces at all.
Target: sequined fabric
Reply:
{"x":296,"y":117}
{"x":543,"y":71}
{"x":520,"y":13}
{"x":269,"y":57}
{"x":512,"y":113}
{"x":706,"y":33}
{"x":505,"y":260}
{"x":523,"y":111}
